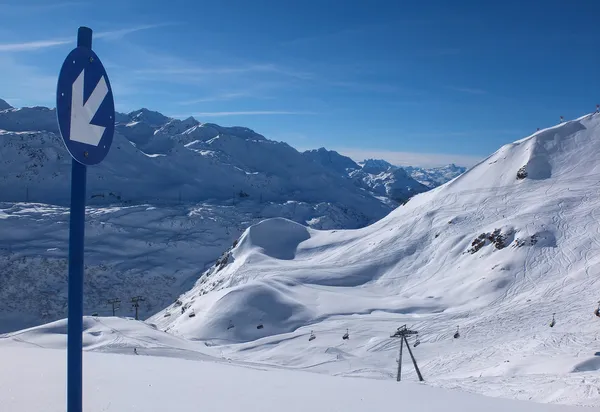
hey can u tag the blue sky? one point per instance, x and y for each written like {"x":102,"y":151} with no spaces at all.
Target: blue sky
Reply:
{"x":421,"y":83}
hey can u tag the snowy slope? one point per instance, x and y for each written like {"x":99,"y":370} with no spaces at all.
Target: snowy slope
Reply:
{"x":116,"y":379}
{"x":496,"y":252}
{"x":113,"y":382}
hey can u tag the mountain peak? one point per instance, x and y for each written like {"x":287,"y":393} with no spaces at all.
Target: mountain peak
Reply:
{"x":331,"y":160}
{"x":4,"y":105}
{"x":149,"y":116}
{"x":376,"y":166}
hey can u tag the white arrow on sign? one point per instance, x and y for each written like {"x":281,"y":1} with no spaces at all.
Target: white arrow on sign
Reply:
{"x":82,"y":130}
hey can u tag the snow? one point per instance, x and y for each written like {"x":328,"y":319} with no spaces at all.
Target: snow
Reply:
{"x":489,"y":252}
{"x":36,"y":166}
{"x":171,"y":374}
{"x":435,"y":176}
{"x":154,"y":251}
{"x":170,"y":197}
{"x":376,"y":176}
{"x":495,"y":251}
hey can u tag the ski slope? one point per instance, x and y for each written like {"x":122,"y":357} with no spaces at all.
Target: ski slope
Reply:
{"x":172,"y":374}
{"x":488,"y":252}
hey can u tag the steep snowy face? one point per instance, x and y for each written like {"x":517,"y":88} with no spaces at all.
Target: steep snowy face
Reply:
{"x":496,"y":252}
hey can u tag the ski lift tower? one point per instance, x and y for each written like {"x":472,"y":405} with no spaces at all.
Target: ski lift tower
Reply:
{"x":401,"y":333}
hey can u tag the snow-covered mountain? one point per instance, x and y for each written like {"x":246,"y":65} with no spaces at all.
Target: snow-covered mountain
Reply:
{"x":157,"y":159}
{"x":376,"y":176}
{"x":495,"y":255}
{"x":435,"y":176}
{"x":332,"y":160}
{"x":430,"y":177}
{"x":170,"y":197}
{"x":376,"y":166}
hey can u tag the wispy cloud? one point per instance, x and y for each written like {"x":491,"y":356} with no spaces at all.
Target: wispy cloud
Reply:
{"x":223,"y":70}
{"x":118,"y":34}
{"x":247,"y":113}
{"x":411,"y":158}
{"x":467,"y":90}
{"x":33,"y":45}
{"x":43,"y":44}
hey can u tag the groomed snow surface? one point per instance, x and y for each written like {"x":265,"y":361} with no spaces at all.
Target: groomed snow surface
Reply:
{"x":171,"y":374}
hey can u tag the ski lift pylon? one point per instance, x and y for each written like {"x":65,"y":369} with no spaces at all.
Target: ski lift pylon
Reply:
{"x":417,"y":341}
{"x":553,"y":322}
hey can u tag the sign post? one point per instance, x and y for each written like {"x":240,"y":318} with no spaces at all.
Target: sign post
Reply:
{"x":85,"y":112}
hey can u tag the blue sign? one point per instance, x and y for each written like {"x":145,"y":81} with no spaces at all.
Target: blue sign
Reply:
{"x":85,"y":107}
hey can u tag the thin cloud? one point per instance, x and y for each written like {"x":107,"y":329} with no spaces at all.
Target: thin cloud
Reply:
{"x":247,"y":113}
{"x":411,"y":158}
{"x":43,"y":44}
{"x":118,"y":34}
{"x":223,"y":70}
{"x":33,"y":45}
{"x":467,"y":90}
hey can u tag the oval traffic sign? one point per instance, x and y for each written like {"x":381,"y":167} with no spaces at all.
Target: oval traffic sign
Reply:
{"x":85,"y":107}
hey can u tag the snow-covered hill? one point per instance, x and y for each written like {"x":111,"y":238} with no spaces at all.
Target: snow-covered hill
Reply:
{"x":495,"y":252}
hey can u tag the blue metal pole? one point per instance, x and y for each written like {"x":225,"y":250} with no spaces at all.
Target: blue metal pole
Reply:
{"x":76,"y":248}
